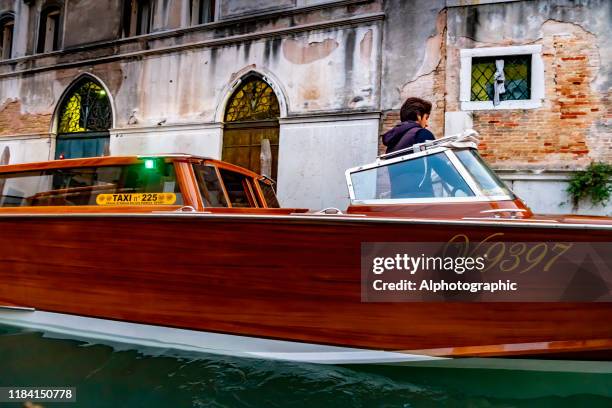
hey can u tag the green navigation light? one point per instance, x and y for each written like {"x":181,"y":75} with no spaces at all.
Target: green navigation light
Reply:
{"x":149,"y":164}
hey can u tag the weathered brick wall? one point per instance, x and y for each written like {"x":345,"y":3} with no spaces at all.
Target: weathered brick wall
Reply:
{"x":14,"y":122}
{"x":569,"y":130}
{"x":388,"y":120}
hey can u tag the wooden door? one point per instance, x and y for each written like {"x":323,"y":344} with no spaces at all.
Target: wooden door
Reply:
{"x":242,"y":144}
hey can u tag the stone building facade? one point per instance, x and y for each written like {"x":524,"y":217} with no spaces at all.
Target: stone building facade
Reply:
{"x":321,"y":79}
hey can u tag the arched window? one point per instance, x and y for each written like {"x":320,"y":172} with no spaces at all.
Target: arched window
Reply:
{"x":49,"y":29}
{"x":253,"y":100}
{"x":137,"y":17}
{"x":250,"y":138}
{"x":7,"y":28}
{"x":85,"y":117}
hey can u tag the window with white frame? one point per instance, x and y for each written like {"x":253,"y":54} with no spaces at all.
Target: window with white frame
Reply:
{"x":501,"y":78}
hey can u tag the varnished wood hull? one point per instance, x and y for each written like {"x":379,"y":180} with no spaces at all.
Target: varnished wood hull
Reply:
{"x":287,"y":278}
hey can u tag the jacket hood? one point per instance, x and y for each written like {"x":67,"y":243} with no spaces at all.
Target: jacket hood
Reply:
{"x":393,"y":136}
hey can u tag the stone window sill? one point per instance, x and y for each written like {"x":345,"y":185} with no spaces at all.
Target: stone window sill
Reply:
{"x":504,"y":105}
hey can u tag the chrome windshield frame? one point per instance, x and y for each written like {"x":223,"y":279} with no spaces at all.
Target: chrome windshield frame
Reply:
{"x":449,"y":151}
{"x":474,"y":149}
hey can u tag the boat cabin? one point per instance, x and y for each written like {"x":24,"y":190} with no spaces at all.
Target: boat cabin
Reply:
{"x":136,"y":183}
{"x":445,"y":177}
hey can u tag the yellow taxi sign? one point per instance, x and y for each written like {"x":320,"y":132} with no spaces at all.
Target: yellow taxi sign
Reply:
{"x":136,"y":199}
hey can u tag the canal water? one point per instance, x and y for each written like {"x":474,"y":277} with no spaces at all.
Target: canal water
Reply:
{"x":132,"y":376}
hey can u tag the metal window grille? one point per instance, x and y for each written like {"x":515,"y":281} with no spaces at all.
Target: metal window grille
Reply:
{"x":255,"y":100}
{"x":85,"y":118}
{"x":517,"y":70}
{"x":86,"y":109}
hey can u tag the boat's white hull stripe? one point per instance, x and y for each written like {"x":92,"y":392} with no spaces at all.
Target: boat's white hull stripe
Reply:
{"x":191,"y":340}
{"x":119,"y":334}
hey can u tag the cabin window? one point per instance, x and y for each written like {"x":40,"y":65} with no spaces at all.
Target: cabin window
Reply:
{"x":269,"y":194}
{"x":82,"y":186}
{"x":238,"y":190}
{"x":487,"y":180}
{"x":430,"y":176}
{"x":210,"y":186}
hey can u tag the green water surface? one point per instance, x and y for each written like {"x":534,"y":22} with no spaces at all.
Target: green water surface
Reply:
{"x":132,"y":376}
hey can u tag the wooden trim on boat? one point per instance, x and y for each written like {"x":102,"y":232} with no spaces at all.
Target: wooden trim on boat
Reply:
{"x":301,"y":216}
{"x":519,"y":349}
{"x":191,"y":194}
{"x":85,"y":209}
{"x":223,"y":188}
{"x":11,"y":306}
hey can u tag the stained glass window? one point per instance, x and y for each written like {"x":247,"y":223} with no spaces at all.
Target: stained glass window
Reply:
{"x":86,"y":109}
{"x":517,"y":72}
{"x":254,"y":100}
{"x":85,"y":117}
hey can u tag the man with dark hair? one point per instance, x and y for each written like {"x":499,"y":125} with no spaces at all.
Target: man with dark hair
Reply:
{"x":413,"y":179}
{"x":414,"y":115}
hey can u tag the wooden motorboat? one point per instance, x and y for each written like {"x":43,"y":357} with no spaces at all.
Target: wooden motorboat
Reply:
{"x":193,"y":253}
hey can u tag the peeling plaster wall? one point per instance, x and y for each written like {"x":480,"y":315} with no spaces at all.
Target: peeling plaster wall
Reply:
{"x":411,"y":46}
{"x":322,"y":71}
{"x":330,"y":70}
{"x":26,"y":106}
{"x":26,"y":150}
{"x":414,"y":59}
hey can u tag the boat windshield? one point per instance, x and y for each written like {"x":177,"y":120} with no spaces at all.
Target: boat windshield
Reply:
{"x":425,"y":177}
{"x":487,"y":180}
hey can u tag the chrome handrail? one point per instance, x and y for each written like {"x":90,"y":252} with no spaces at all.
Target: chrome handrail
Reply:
{"x":468,"y":136}
{"x":327,"y":210}
{"x":500,"y":210}
{"x":185,"y":208}
{"x":497,"y":211}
